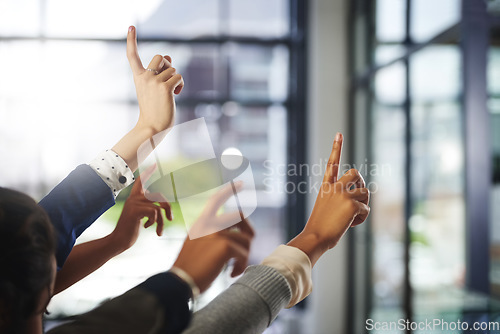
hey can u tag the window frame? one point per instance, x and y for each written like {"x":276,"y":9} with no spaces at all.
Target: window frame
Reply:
{"x":473,"y":33}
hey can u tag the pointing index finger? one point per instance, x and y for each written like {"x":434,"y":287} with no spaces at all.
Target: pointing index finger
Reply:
{"x":332,"y":168}
{"x":132,"y":53}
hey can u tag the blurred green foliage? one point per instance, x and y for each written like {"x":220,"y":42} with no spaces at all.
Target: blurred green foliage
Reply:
{"x":202,"y":176}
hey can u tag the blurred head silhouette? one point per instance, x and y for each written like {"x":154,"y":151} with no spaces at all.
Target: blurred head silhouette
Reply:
{"x":27,"y":260}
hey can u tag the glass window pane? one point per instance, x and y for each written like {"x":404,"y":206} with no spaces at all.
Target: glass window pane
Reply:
{"x":19,"y":17}
{"x":437,"y":221}
{"x":66,"y":70}
{"x":494,"y":105}
{"x":154,"y":18}
{"x":493,"y":71}
{"x":13,"y":83}
{"x":98,"y":71}
{"x":430,"y":17}
{"x":386,"y":53}
{"x":259,"y":18}
{"x":91,"y":18}
{"x":258,"y":73}
{"x":391,"y":20}
{"x":390,"y":84}
{"x":183,"y":19}
{"x":54,"y":137}
{"x":435,"y":73}
{"x":70,"y":86}
{"x":387,"y":219}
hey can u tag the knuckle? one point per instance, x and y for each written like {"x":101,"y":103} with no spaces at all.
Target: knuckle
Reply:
{"x":332,"y":162}
{"x":226,"y":245}
{"x":354,"y":172}
{"x":172,"y":81}
{"x":141,"y":78}
{"x":351,"y":206}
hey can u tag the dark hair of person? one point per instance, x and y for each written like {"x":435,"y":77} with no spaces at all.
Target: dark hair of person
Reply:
{"x":27,"y":247}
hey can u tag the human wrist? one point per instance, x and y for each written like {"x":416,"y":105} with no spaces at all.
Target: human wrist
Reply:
{"x":146,"y":129}
{"x":186,"y":278}
{"x":117,"y":243}
{"x":152,"y":128}
{"x":310,"y":243}
{"x":127,"y":148}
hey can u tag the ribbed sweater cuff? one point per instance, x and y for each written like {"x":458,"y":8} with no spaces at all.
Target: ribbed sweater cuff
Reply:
{"x":296,"y":267}
{"x":270,"y":284}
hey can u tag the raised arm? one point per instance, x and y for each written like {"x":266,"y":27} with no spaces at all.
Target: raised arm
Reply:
{"x":88,"y":191}
{"x":340,"y":204}
{"x":284,"y":277}
{"x":160,"y":304}
{"x":155,"y":88}
{"x":87,"y":257}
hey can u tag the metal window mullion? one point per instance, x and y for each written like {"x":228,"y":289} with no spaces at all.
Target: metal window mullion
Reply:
{"x":407,"y":288}
{"x":296,"y":120}
{"x":475,"y":44}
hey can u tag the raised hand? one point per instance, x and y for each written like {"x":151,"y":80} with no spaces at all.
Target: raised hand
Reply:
{"x":341,"y":203}
{"x":87,"y":257}
{"x":155,"y":87}
{"x":203,"y":258}
{"x":136,"y":208}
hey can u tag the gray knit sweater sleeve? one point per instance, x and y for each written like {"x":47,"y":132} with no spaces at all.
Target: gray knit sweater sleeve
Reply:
{"x":247,"y":306}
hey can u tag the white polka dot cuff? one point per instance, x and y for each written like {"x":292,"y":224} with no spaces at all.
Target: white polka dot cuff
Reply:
{"x":113,"y":170}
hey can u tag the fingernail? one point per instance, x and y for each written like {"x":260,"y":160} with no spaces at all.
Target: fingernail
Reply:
{"x":131,"y":28}
{"x":338,"y":136}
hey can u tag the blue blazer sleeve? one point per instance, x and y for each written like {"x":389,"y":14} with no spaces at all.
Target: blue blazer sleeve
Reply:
{"x":74,"y":204}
